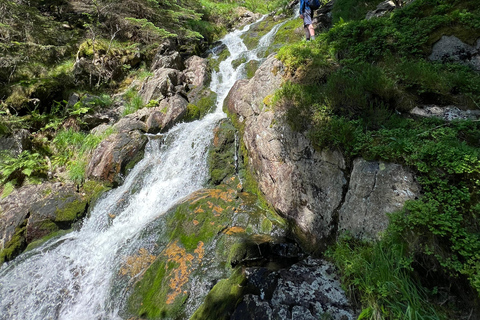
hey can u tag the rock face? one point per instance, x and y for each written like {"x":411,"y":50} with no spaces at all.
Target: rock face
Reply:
{"x":114,"y":154}
{"x":306,"y":290}
{"x":375,"y":189}
{"x":450,"y":48}
{"x":34,"y":211}
{"x":308,"y":186}
{"x":302,"y":184}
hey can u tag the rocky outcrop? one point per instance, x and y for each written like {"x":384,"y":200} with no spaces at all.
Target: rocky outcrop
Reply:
{"x":452,"y":49}
{"x":160,"y":85}
{"x":375,"y":188}
{"x":308,"y":186}
{"x":114,"y":155}
{"x":301,"y":183}
{"x":197,"y":72}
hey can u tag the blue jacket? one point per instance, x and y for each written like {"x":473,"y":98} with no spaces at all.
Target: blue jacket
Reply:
{"x":303,"y":6}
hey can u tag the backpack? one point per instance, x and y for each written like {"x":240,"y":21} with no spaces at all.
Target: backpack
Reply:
{"x":313,"y":4}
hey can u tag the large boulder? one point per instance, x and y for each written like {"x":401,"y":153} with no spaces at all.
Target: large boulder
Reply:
{"x":169,"y":112}
{"x":172,"y":61}
{"x":161,"y":85}
{"x":450,"y":48}
{"x":33,"y":211}
{"x":304,"y":185}
{"x":197,"y":72}
{"x":111,"y":158}
{"x":375,"y":188}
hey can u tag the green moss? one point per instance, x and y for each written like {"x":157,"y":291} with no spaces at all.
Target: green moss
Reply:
{"x":71,"y":211}
{"x":223,"y":298}
{"x":267,"y":226}
{"x":37,"y":243}
{"x":221,"y":157}
{"x":214,"y":63}
{"x":16,"y":244}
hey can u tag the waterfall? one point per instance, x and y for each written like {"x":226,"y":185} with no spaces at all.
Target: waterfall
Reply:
{"x":71,"y":277}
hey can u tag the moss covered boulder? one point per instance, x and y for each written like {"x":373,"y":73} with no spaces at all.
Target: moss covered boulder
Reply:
{"x":35,"y":211}
{"x":203,"y":240}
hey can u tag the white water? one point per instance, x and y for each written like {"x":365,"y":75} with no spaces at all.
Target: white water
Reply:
{"x":71,"y":277}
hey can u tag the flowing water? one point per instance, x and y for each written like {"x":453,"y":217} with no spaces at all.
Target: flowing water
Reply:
{"x":72,"y":277}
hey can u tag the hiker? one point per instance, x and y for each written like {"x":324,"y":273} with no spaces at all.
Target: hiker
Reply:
{"x":306,"y":13}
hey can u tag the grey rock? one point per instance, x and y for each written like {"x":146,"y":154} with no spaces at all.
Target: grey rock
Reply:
{"x":450,"y":48}
{"x":160,"y":85}
{"x":197,"y":72}
{"x":382,"y":9}
{"x":308,"y":289}
{"x":376,"y":188}
{"x":447,"y":113}
{"x":111,"y":157}
{"x":39,"y":204}
{"x":16,"y":142}
{"x":169,"y":112}
{"x":301,"y":183}
{"x":171,"y":61}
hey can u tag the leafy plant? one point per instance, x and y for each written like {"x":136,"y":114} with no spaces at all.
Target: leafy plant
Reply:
{"x":18,"y":168}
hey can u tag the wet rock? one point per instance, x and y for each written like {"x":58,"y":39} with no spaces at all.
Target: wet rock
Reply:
{"x":447,"y":113}
{"x":452,"y":49}
{"x":160,"y":85}
{"x":15,"y":142}
{"x":382,"y":9}
{"x":112,"y":156}
{"x":34,"y":211}
{"x":376,"y":188}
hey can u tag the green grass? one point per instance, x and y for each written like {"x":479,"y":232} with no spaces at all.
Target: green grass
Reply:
{"x":381,"y":276}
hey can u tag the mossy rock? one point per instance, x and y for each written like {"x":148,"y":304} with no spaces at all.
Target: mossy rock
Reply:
{"x":221,"y":156}
{"x":202,"y":236}
{"x":223,"y":298}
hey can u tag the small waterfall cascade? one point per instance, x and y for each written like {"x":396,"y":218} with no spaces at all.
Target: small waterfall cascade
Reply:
{"x":70,"y":277}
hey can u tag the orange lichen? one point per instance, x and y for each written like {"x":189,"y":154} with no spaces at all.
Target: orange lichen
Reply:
{"x":138,"y":263}
{"x":198,"y":210}
{"x":200,"y":251}
{"x":179,"y":275}
{"x":233,"y":230}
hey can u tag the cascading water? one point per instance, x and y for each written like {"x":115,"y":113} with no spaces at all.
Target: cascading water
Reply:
{"x":71,"y":277}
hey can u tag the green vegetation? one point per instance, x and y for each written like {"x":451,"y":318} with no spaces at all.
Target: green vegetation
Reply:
{"x":351,"y":89}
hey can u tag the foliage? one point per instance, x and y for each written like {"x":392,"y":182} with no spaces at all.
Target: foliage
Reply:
{"x":72,"y":148}
{"x":381,"y":272}
{"x":18,"y":168}
{"x":369,"y":74}
{"x":133,"y":103}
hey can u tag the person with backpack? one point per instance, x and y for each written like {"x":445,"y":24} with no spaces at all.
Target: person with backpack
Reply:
{"x":307,"y":9}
